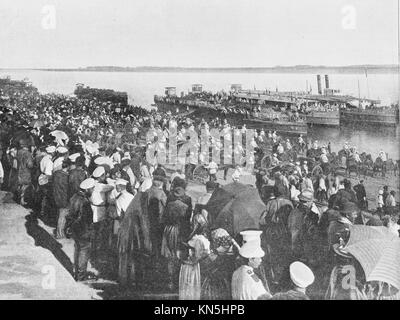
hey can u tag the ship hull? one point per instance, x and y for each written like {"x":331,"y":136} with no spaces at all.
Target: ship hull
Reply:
{"x":328,"y":119}
{"x":368,"y":118}
{"x":209,"y":113}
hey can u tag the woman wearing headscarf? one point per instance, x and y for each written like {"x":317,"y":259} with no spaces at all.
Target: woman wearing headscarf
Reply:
{"x":199,"y":248}
{"x":217,"y":268}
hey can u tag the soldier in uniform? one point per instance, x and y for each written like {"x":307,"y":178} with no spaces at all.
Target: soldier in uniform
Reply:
{"x":80,"y":222}
{"x":246,"y":285}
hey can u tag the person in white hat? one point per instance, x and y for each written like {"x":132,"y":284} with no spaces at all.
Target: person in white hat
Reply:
{"x":380,"y":202}
{"x":46,"y":164}
{"x":62,"y":154}
{"x":298,"y":168}
{"x":236,"y":176}
{"x":73,"y":157}
{"x":77,"y":173}
{"x":246,"y":285}
{"x":98,"y":201}
{"x":122,"y":202}
{"x":80,"y":219}
{"x":301,"y":276}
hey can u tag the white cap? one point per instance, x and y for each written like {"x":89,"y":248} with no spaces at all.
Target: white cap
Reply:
{"x":101,"y":160}
{"x":87,"y":184}
{"x":297,"y":163}
{"x":380,"y":191}
{"x":122,"y":182}
{"x":252,"y":244}
{"x":62,"y":150}
{"x":51,"y":149}
{"x":301,"y":275}
{"x":74,"y":156}
{"x":98,"y":172}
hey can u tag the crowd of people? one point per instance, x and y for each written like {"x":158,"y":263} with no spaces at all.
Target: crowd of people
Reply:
{"x":60,"y":158}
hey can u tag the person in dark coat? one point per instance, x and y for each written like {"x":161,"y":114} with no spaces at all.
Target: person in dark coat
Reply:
{"x":80,"y":219}
{"x":61,"y":197}
{"x":76,"y":176}
{"x":361,"y":195}
{"x":177,"y":228}
{"x":346,"y":194}
{"x":156,"y":201}
{"x":25,"y":165}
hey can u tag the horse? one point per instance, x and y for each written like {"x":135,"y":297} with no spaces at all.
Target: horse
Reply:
{"x":390,"y":166}
{"x":379,"y":167}
{"x":351,"y":166}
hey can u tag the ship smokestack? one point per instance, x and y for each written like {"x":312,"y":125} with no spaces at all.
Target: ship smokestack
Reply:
{"x":326,"y":81}
{"x":319,"y":84}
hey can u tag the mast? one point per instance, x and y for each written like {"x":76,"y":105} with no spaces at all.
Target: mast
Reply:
{"x":359,"y":98}
{"x":398,"y":51}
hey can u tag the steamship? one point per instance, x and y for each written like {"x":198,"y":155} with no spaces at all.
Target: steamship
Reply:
{"x":205,"y":106}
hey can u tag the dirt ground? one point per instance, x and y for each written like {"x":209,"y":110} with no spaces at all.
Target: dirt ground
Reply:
{"x":33,"y":265}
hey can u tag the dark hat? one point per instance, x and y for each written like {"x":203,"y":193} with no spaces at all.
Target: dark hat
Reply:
{"x":211,"y":185}
{"x":348,"y":207}
{"x":125,"y":162}
{"x":178,"y":182}
{"x":159,"y":178}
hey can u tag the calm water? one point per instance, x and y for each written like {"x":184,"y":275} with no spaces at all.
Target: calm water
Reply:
{"x":141,"y":87}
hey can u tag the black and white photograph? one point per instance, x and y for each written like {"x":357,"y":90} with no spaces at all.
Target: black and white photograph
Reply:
{"x":202,"y":150}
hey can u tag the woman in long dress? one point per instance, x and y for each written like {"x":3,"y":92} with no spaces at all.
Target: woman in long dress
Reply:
{"x":176,"y":219}
{"x":199,"y":248}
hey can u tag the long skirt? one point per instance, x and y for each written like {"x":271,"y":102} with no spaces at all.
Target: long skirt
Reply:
{"x":170,"y":241}
{"x":189,"y":282}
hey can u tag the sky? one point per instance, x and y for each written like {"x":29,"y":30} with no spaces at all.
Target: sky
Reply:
{"x":196,"y":33}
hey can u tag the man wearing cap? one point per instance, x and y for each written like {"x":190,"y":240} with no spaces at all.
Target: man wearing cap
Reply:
{"x":44,"y":180}
{"x":80,"y":220}
{"x":298,"y":168}
{"x":340,"y":220}
{"x":300,"y":220}
{"x":122,"y":202}
{"x":301,"y":277}
{"x":246,"y":285}
{"x":77,"y":174}
{"x":274,"y":160}
{"x":60,"y":157}
{"x":361,"y":195}
{"x":61,"y":197}
{"x":128,"y":175}
{"x":98,"y":200}
{"x":25,"y":165}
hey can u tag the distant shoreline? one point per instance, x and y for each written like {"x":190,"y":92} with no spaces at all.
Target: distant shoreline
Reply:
{"x":356,"y":69}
